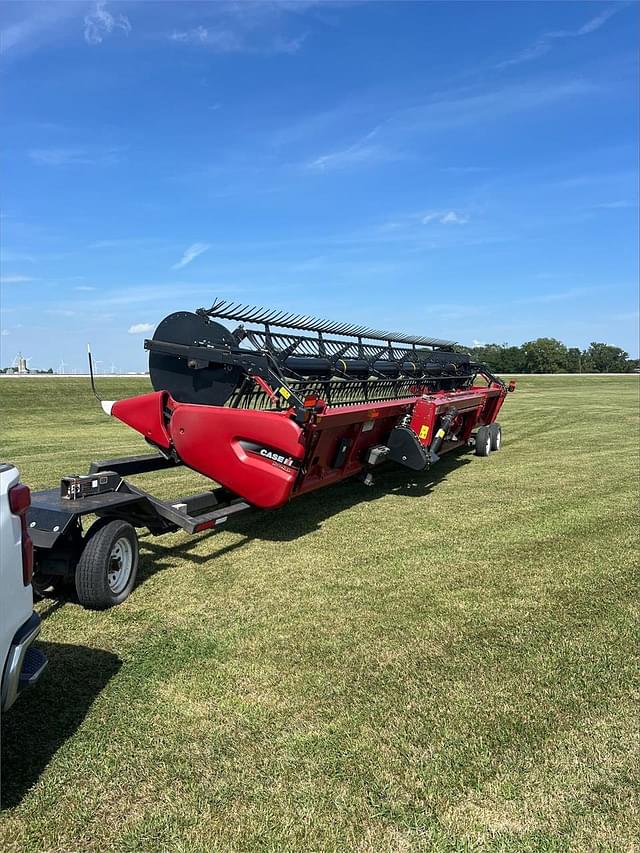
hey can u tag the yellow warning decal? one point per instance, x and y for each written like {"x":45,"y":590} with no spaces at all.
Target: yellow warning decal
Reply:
{"x":424,"y":431}
{"x":441,"y":433}
{"x":284,"y":392}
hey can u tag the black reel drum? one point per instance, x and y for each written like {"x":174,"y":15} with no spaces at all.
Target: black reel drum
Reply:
{"x":212,"y":385}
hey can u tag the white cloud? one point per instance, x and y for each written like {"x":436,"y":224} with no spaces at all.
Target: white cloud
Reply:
{"x":101,"y":23}
{"x":15,"y":279}
{"x":449,"y":217}
{"x":190,"y":253}
{"x":140,"y":328}
{"x":545,"y":43}
{"x":5,"y":332}
{"x":84,"y":288}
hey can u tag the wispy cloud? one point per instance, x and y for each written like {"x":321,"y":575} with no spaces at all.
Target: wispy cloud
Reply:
{"x":229,"y":41}
{"x":75,"y":156}
{"x":84,"y":288}
{"x":445,"y":217}
{"x":615,"y":205}
{"x":100,"y":23}
{"x":546,"y":41}
{"x":398,"y":135}
{"x":249,"y":27}
{"x":222,"y":41}
{"x":190,"y":253}
{"x":41,"y":22}
{"x":558,"y":296}
{"x":15,"y":279}
{"x":140,"y":328}
{"x":18,"y":257}
{"x":123,"y":243}
{"x":5,"y":332}
{"x":465,"y":170}
{"x":362,"y":152}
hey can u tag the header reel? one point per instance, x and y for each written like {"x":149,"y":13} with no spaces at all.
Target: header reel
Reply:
{"x":198,"y":360}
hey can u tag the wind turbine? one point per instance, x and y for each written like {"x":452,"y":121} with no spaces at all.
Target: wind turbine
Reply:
{"x":62,"y":367}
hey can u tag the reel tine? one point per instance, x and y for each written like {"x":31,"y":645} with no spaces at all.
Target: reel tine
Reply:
{"x":226,"y":309}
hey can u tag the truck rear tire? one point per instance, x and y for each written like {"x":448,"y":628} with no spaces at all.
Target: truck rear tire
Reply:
{"x":483,"y":441}
{"x":107,"y":568}
{"x":496,"y":436}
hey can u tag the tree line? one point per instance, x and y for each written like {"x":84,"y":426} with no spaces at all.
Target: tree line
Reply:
{"x":548,"y":355}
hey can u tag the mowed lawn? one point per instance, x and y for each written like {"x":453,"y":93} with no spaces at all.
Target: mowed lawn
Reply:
{"x":442,"y":662}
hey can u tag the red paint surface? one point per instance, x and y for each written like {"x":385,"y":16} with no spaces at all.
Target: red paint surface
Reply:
{"x":208,"y":438}
{"x":144,"y":414}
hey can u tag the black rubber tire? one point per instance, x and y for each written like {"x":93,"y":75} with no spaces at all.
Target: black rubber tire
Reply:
{"x":483,"y":441}
{"x":92,"y":582}
{"x":495,"y":431}
{"x":47,"y":586}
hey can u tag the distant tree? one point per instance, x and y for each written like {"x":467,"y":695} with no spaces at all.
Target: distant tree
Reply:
{"x":545,"y":355}
{"x":604,"y":358}
{"x":575,"y":359}
{"x":513,"y":360}
{"x":50,"y":370}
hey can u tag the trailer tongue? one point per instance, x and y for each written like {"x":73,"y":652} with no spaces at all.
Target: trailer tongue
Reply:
{"x":279,"y":406}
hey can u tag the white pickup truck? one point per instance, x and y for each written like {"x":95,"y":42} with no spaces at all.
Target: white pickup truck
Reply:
{"x":21,"y":663}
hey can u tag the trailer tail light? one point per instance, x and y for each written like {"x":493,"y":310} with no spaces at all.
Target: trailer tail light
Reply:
{"x":19,"y":503}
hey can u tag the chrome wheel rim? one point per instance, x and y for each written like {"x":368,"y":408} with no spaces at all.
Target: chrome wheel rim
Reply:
{"x":120,"y":565}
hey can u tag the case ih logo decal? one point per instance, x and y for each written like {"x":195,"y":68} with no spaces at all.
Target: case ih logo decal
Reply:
{"x":276,"y":458}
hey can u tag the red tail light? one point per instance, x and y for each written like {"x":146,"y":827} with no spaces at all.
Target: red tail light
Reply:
{"x":19,"y":502}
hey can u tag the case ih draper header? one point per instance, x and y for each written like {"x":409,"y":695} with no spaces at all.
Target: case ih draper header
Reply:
{"x":280,"y":406}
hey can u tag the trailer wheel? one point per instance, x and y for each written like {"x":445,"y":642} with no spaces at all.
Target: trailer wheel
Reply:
{"x":107,"y":569}
{"x":483,"y":441}
{"x":496,"y":436}
{"x":46,"y":586}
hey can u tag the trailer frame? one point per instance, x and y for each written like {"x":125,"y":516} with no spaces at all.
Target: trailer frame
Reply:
{"x":55,"y":522}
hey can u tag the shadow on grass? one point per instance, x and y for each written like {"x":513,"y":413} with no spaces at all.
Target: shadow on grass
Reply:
{"x":304,"y":514}
{"x":46,"y":715}
{"x":301,"y":516}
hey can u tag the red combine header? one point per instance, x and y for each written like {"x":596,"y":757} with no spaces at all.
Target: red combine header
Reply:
{"x":278,"y":406}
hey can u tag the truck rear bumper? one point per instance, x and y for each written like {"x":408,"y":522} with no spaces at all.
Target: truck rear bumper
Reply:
{"x":24,"y":664}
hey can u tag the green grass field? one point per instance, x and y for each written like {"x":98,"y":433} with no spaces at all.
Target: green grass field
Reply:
{"x":441,"y":663}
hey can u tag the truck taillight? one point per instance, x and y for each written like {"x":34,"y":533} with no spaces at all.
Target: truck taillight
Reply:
{"x":19,"y":503}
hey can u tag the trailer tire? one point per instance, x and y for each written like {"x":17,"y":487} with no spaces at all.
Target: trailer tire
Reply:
{"x":107,"y":568}
{"x":483,"y":441}
{"x":496,"y":436}
{"x":47,"y":586}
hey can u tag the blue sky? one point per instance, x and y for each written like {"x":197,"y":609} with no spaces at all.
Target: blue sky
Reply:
{"x":460,"y":170}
